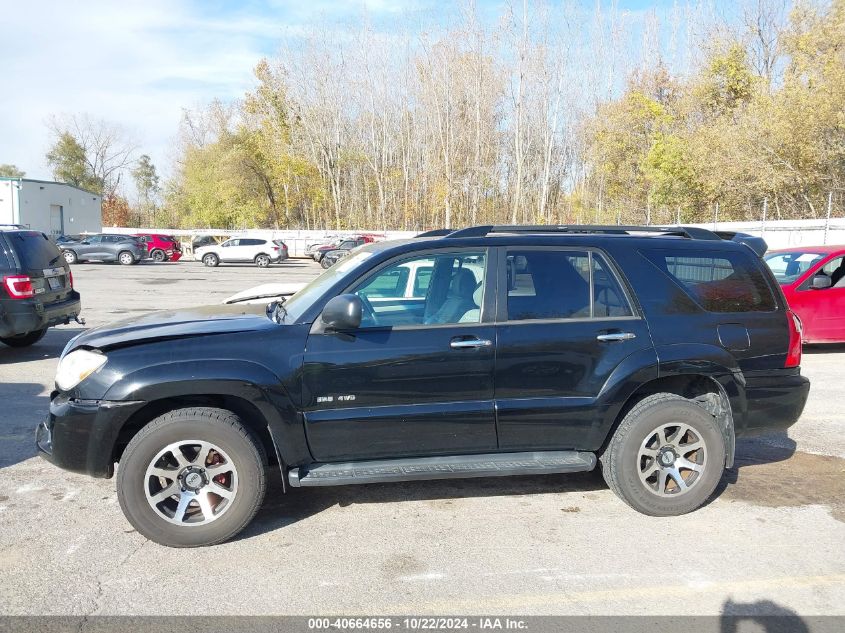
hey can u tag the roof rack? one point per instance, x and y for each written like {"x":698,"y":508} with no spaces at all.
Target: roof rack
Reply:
{"x":435,"y":233}
{"x":756,"y":244}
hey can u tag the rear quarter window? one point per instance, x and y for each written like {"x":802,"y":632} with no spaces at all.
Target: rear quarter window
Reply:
{"x":718,"y":282}
{"x":35,"y":251}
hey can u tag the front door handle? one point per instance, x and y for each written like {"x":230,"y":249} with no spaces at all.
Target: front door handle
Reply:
{"x":469,"y":343}
{"x":616,"y":336}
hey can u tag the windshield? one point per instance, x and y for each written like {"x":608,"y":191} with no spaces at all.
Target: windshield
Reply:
{"x":297,"y":304}
{"x":788,"y":267}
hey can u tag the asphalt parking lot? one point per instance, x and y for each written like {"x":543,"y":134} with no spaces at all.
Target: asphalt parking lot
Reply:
{"x":771,"y":539}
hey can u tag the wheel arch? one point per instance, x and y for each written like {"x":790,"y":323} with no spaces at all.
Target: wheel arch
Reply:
{"x":707,"y":390}
{"x":251,"y":391}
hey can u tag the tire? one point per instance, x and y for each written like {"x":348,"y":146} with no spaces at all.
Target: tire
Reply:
{"x":210,"y":260}
{"x":152,"y":447}
{"x":24,"y":340}
{"x":126,"y":258}
{"x":325,"y":263}
{"x":262,"y":260}
{"x":158,"y":255}
{"x":70,"y":257}
{"x":649,"y":428}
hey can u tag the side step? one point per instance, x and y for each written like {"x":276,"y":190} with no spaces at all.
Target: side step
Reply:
{"x":450,"y":467}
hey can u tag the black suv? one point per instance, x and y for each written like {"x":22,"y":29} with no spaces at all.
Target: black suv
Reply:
{"x":37,"y":289}
{"x":521,"y":350}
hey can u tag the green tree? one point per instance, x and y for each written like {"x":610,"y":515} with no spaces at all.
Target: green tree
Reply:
{"x":148,"y":186}
{"x":68,"y":161}
{"x":11,"y":171}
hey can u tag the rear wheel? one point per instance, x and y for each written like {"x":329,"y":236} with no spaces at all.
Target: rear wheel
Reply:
{"x":70,"y":257}
{"x":262,"y":261}
{"x":126,"y":258}
{"x":24,"y":340}
{"x":192,"y":477}
{"x":210,"y":259}
{"x":158,"y":255}
{"x":666,"y":457}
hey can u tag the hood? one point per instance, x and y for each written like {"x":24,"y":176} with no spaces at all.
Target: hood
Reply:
{"x":265,"y":292}
{"x":201,"y":321}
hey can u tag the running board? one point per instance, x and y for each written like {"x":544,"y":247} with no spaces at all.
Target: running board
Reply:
{"x":450,"y":467}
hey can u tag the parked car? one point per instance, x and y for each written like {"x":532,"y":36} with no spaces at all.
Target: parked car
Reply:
{"x":813,"y":280}
{"x":161,"y":248}
{"x":346,"y":244}
{"x":68,"y":239}
{"x":331,"y":257}
{"x":409,"y":281}
{"x":243,"y":249}
{"x":37,"y":290}
{"x":105,"y":247}
{"x":533,"y":350}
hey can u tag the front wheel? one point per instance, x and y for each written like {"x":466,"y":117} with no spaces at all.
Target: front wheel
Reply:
{"x":70,"y":257}
{"x":192,"y":477}
{"x":325,"y":263}
{"x":126,"y":258}
{"x":666,"y":457}
{"x":24,"y":340}
{"x":210,"y":260}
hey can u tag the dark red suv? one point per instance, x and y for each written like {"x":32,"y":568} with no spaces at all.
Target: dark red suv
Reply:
{"x":162,"y":248}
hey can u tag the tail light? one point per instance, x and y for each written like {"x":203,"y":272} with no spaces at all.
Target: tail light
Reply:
{"x":793,"y":355}
{"x":70,"y":278}
{"x":19,"y":286}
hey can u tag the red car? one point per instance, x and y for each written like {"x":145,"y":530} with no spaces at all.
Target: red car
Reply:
{"x":813,"y":280}
{"x":162,"y":248}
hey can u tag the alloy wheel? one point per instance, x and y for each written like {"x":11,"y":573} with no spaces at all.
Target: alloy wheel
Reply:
{"x":671,"y":459}
{"x":191,"y":482}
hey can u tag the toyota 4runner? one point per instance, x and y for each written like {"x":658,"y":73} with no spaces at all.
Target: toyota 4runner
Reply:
{"x":521,"y":350}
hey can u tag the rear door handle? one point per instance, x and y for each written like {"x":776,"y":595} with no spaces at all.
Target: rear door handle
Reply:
{"x":469,"y":343}
{"x":616,"y":336}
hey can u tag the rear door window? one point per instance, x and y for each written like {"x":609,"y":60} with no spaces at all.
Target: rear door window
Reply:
{"x":35,"y":251}
{"x":723,"y":282}
{"x":562,"y":284}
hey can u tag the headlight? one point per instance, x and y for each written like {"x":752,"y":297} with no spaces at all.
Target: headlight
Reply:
{"x":77,"y":366}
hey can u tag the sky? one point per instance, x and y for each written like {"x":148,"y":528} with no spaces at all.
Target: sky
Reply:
{"x":139,"y":64}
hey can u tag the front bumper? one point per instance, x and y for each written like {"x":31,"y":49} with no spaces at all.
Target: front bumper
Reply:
{"x":28,"y":315}
{"x":80,"y":435}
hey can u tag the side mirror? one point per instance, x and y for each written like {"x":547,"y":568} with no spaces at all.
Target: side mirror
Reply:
{"x":344,"y":312}
{"x":821,"y":281}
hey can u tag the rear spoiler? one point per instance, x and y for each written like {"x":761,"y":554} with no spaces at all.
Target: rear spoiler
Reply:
{"x":756,"y":244}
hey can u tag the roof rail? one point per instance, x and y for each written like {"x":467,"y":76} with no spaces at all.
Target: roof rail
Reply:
{"x":434,"y":233}
{"x":690,"y":232}
{"x":756,"y":244}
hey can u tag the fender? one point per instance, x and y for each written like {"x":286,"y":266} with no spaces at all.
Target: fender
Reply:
{"x":248,"y":380}
{"x":720,"y":365}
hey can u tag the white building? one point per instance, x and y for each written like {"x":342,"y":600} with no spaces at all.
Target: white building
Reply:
{"x":55,"y":208}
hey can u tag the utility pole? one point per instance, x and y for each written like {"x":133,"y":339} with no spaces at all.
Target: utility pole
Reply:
{"x":763,"y":225}
{"x":827,"y":221}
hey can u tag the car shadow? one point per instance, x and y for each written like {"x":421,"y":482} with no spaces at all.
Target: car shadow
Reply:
{"x":50,"y":346}
{"x":283,"y":509}
{"x":24,"y":405}
{"x":754,"y":451}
